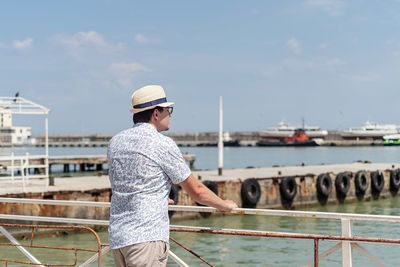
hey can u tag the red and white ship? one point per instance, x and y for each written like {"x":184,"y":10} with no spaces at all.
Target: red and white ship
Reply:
{"x":284,"y":129}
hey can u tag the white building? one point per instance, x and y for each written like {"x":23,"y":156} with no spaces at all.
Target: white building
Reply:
{"x":12,"y":135}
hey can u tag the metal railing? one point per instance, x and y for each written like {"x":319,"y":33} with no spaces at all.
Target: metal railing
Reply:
{"x":33,"y":260}
{"x":346,"y":241}
{"x":17,"y":169}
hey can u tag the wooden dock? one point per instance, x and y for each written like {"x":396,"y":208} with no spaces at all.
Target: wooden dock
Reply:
{"x":84,"y":162}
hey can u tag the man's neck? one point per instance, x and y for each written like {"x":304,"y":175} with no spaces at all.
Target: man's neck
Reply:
{"x":154,"y":125}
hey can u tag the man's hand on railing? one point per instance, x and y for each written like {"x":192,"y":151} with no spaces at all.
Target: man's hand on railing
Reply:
{"x":229,"y":205}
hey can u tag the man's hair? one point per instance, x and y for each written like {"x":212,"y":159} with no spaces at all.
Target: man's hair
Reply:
{"x":145,"y":116}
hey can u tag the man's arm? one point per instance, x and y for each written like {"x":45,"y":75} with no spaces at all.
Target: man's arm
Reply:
{"x":201,"y":194}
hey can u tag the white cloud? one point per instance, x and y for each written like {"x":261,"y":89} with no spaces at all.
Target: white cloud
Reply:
{"x":124,"y":72}
{"x":396,"y":53}
{"x":332,"y":7}
{"x":22,"y":44}
{"x":294,"y":45}
{"x":335,"y":62}
{"x":388,"y":42}
{"x":323,"y":45}
{"x":84,"y":38}
{"x":140,"y":38}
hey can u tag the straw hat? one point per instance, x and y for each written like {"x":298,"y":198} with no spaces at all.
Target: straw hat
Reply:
{"x":149,"y":97}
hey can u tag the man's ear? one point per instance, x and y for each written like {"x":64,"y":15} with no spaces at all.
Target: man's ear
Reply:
{"x":155,"y":114}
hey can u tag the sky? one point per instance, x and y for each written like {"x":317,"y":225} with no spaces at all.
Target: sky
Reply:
{"x":334,"y":64}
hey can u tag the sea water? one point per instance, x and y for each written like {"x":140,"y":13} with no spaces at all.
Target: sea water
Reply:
{"x":223,"y":250}
{"x":243,"y":157}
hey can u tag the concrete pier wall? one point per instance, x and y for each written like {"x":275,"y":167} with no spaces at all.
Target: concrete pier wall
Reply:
{"x":229,"y":186}
{"x":99,"y":213}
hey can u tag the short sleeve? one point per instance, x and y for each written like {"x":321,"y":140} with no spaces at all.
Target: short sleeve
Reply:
{"x":173,"y":163}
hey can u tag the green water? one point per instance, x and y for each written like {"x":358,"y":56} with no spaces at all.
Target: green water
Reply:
{"x":223,"y":250}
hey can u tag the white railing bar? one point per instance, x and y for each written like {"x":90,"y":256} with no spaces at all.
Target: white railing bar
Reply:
{"x":95,"y":257}
{"x":20,"y":177}
{"x":325,"y":254}
{"x":368,"y":255}
{"x":290,"y":213}
{"x":53,"y":219}
{"x":55,"y":202}
{"x":21,"y":248}
{"x":177,"y":259}
{"x":306,"y":214}
{"x":8,"y":158}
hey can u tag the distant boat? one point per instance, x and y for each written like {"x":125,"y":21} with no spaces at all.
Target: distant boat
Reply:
{"x":391,"y":140}
{"x":227,"y":139}
{"x":370,"y":131}
{"x":299,"y":138}
{"x":284,"y":129}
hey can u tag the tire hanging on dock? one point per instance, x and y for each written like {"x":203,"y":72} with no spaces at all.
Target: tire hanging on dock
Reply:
{"x":361,"y":183}
{"x":342,"y":186}
{"x":174,"y":195}
{"x":324,"y":187}
{"x":377,"y":183}
{"x":213,"y":187}
{"x":250,"y":193}
{"x":394,"y":181}
{"x":288,"y":190}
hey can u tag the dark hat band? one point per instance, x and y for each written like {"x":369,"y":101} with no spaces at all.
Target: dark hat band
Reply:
{"x":151,"y":103}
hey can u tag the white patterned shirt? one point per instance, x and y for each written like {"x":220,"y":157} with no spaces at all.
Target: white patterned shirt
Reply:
{"x":142,"y":165}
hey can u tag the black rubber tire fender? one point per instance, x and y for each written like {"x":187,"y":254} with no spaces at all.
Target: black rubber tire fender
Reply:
{"x":214,"y":188}
{"x":324,"y":185}
{"x":395,"y":180}
{"x":250,"y":192}
{"x":361,"y":182}
{"x":377,"y":181}
{"x":288,"y":188}
{"x":342,"y":183}
{"x":174,"y":195}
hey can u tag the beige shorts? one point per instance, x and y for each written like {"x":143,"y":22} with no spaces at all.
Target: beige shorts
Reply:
{"x":148,"y":254}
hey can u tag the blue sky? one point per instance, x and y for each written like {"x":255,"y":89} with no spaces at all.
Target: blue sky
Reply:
{"x":334,"y":63}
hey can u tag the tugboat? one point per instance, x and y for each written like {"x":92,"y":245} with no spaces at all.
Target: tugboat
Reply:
{"x":299,"y":138}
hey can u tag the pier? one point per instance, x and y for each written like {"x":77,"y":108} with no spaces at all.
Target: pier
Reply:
{"x":275,"y":187}
{"x":249,"y":138}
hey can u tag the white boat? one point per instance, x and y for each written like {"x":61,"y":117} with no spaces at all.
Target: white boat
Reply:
{"x":284,"y":129}
{"x":370,"y":130}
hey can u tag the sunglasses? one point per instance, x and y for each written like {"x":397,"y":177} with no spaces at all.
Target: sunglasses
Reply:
{"x":170,"y":110}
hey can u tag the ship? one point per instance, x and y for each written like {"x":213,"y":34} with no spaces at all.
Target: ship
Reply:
{"x":284,"y":129}
{"x":299,"y":138}
{"x":370,"y":131}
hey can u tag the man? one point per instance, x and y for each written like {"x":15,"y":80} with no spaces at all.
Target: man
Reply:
{"x":142,"y":165}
